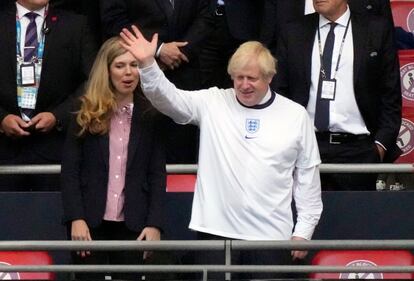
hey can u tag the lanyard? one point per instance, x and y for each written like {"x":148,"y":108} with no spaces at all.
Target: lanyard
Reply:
{"x":340,"y":51}
{"x":40,"y":48}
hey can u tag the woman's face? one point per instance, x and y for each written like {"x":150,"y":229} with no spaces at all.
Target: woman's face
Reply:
{"x":123,"y":73}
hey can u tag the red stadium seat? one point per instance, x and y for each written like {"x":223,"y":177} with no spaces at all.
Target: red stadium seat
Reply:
{"x":181,"y":182}
{"x":26,"y":258}
{"x":403,"y":14}
{"x":363,"y":258}
{"x":406,"y":136}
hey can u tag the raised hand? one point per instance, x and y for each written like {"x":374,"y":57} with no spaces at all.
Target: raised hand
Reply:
{"x":143,"y":50}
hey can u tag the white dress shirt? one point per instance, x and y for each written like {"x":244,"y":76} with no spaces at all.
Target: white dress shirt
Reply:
{"x":24,"y":22}
{"x":344,"y":113}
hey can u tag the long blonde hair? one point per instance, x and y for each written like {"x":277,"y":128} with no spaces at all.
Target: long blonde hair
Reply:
{"x":98,"y":103}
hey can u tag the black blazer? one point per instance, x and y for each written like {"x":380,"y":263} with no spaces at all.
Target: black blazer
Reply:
{"x":249,"y":19}
{"x":68,"y":57}
{"x":376,"y":72}
{"x":290,"y":10}
{"x":85,"y":167}
{"x":190,"y":20}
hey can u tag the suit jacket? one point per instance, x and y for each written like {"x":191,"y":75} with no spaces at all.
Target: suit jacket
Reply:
{"x":190,"y":20}
{"x":85,"y":167}
{"x":249,"y":19}
{"x":67,"y":59}
{"x":290,"y":10}
{"x":90,"y":9}
{"x":376,"y":72}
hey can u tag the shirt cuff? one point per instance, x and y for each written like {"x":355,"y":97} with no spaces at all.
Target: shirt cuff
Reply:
{"x":157,"y":54}
{"x":377,"y":142}
{"x":304,"y":230}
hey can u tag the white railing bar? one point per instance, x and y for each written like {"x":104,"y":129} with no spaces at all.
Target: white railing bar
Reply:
{"x":219,"y":245}
{"x":202,"y":268}
{"x":324,"y":244}
{"x":192,"y":169}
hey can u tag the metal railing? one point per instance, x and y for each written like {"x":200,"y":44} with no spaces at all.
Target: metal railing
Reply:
{"x":227,"y":246}
{"x":192,"y":169}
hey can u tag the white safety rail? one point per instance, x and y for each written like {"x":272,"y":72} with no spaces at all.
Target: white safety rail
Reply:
{"x":226,"y":246}
{"x":192,"y":169}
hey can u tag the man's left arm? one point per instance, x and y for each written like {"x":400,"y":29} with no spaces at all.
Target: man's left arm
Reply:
{"x":389,"y":111}
{"x":306,"y":185}
{"x":269,"y":23}
{"x":307,"y":197}
{"x":199,"y":30}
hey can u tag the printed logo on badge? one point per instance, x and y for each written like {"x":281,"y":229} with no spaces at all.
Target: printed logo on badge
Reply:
{"x":407,"y":81}
{"x":405,"y":140}
{"x":9,"y":275}
{"x":252,"y":125}
{"x":410,"y":20}
{"x":362,"y":275}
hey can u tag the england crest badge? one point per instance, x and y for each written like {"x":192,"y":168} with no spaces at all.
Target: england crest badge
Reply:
{"x":252,"y":125}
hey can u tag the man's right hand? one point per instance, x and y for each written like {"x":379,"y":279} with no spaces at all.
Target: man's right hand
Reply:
{"x":14,"y":126}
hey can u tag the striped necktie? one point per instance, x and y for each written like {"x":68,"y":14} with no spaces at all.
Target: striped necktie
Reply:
{"x":31,"y":42}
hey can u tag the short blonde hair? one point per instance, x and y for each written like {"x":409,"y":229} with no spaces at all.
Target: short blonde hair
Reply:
{"x":256,"y":51}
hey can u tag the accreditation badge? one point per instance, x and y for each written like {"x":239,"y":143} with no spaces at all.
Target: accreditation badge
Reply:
{"x":328,"y":89}
{"x":27,"y":99}
{"x":28,"y":74}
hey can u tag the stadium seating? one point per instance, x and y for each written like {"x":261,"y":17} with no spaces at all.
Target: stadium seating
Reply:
{"x":181,"y":182}
{"x":26,"y":258}
{"x":403,"y":14}
{"x":362,"y":258}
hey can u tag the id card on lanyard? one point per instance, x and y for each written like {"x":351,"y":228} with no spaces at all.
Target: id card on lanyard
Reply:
{"x":28,"y":73}
{"x":329,"y":84}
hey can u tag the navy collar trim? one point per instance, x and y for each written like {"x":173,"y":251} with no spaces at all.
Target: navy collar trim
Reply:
{"x":260,"y":106}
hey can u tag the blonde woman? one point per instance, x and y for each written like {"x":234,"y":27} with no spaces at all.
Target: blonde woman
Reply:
{"x":113,"y":169}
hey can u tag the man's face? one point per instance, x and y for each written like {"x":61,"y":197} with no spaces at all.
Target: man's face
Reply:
{"x":33,"y":4}
{"x":250,"y":85}
{"x":330,"y":9}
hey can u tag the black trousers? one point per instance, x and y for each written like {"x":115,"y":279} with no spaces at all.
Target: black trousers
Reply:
{"x":358,"y":151}
{"x":215,"y":55}
{"x":110,"y":231}
{"x":251,"y":257}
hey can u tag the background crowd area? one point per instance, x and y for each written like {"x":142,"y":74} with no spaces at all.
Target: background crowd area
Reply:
{"x":212,"y":33}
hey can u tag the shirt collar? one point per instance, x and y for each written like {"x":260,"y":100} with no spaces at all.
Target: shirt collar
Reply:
{"x":125,"y":108}
{"x":342,"y":20}
{"x":266,"y":98}
{"x":21,"y":11}
{"x":265,"y":102}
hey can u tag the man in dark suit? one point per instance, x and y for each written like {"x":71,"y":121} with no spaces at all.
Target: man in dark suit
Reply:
{"x":90,"y":9}
{"x":36,"y":90}
{"x":182,"y":26}
{"x":235,"y":22}
{"x":352,"y":92}
{"x":289,"y":10}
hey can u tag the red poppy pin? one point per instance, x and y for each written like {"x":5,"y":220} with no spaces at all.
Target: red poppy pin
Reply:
{"x":54,"y":18}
